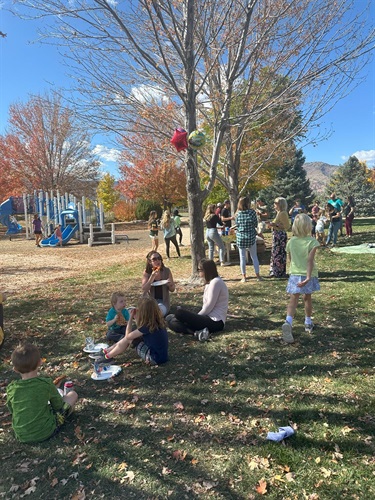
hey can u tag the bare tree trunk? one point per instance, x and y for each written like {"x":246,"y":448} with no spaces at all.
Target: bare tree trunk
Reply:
{"x":193,"y":188}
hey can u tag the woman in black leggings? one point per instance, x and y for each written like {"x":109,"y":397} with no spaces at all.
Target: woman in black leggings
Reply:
{"x":212,"y":316}
{"x":169,"y":229}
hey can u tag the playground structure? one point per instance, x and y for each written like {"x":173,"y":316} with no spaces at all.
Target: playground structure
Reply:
{"x":75,"y":219}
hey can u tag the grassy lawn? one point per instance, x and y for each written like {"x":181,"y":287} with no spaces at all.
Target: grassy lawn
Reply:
{"x":196,"y":427}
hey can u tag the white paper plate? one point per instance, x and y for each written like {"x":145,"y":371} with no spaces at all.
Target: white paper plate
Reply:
{"x":109,"y":371}
{"x":159,"y":283}
{"x":96,"y":348}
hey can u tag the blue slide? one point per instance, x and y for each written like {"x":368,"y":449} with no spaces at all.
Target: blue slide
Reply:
{"x":67,"y":234}
{"x":7,"y":219}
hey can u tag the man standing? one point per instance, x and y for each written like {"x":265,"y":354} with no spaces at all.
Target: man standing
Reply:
{"x":226,"y":215}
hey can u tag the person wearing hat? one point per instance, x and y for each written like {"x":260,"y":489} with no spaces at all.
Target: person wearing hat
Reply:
{"x":226,"y":216}
{"x":218,"y":209}
{"x":177,"y":223}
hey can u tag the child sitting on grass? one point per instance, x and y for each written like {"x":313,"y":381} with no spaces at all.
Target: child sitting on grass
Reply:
{"x":303,"y":275}
{"x":117,"y":318}
{"x":38,"y":410}
{"x":150,"y":337}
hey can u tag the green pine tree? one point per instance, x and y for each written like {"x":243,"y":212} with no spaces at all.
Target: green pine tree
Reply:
{"x":353,"y":179}
{"x":290,"y":182}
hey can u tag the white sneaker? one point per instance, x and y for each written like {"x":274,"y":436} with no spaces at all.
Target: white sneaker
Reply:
{"x":287,"y":333}
{"x":225,"y":264}
{"x":202,"y":335}
{"x":243,"y":280}
{"x":309,"y":327}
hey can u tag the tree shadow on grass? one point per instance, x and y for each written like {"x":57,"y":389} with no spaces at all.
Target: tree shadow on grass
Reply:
{"x":346,"y":275}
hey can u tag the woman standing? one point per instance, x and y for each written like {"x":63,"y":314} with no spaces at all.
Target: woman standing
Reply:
{"x":177,"y":223}
{"x":212,"y":316}
{"x":169,"y":229}
{"x":349,"y":216}
{"x":156,"y":271}
{"x":246,"y":223}
{"x":279,"y":227}
{"x":213,"y":222}
{"x":154,"y":232}
{"x":334,"y":225}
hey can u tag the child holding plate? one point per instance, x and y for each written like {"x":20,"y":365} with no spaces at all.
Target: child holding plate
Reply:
{"x":117,"y":317}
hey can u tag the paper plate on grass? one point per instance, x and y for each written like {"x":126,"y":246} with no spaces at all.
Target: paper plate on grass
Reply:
{"x":108,"y":372}
{"x":97,"y":348}
{"x":159,"y":283}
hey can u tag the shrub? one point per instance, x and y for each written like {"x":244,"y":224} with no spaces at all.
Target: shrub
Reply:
{"x":124,"y":211}
{"x":144,"y":208}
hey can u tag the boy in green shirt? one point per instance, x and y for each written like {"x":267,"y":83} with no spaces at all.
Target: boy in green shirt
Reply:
{"x":38,"y":410}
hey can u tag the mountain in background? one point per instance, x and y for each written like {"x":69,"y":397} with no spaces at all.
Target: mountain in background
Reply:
{"x":319,"y":174}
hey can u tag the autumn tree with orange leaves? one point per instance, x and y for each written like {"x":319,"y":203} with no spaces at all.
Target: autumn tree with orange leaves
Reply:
{"x":152,"y":173}
{"x":47,"y":149}
{"x":9,"y":185}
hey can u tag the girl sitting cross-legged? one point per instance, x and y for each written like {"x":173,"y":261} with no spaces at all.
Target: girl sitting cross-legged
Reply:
{"x":150,"y":337}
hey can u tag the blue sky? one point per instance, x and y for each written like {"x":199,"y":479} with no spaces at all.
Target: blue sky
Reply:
{"x":28,"y":67}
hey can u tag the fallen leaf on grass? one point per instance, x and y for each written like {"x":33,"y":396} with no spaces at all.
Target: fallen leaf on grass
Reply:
{"x":79,"y":494}
{"x":179,"y":455}
{"x":165,"y":471}
{"x":51,"y":471}
{"x":261,"y":487}
{"x":345,"y":430}
{"x":28,"y":491}
{"x":208,"y":485}
{"x":289,"y":476}
{"x":54,"y":482}
{"x":137,"y":442}
{"x":326,"y":472}
{"x":122,"y":466}
{"x":178,"y":406}
{"x":78,"y":433}
{"x":129,"y":476}
{"x":79,"y":458}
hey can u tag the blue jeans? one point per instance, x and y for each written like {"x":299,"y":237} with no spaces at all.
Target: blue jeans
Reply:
{"x":254,"y":258}
{"x":213,"y":237}
{"x":332,"y":231}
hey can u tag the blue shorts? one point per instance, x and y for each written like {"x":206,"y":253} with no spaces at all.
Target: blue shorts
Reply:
{"x":310,"y":287}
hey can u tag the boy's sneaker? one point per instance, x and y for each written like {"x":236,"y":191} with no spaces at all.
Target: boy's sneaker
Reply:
{"x":309,"y":327}
{"x":287,"y":333}
{"x":101,"y":360}
{"x":202,"y":335}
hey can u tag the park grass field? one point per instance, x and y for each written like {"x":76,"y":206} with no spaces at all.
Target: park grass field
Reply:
{"x":196,"y":427}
